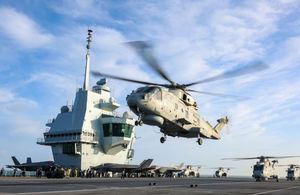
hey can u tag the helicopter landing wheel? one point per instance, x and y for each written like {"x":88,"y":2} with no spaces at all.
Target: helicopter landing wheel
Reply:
{"x":139,"y":122}
{"x":200,"y":141}
{"x":162,"y":140}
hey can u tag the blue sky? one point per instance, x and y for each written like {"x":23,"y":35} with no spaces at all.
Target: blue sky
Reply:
{"x":42,"y":56}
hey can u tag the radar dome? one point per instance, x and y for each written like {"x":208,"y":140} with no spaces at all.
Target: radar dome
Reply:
{"x":64,"y":109}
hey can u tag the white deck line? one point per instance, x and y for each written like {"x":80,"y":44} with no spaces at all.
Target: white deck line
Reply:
{"x":278,"y":190}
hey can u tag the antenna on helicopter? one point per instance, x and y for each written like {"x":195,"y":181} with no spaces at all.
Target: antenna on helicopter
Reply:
{"x":87,"y":63}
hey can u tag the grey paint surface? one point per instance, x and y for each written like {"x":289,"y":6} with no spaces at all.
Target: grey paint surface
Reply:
{"x":141,"y":186}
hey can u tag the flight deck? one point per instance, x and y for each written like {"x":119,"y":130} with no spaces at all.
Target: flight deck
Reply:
{"x":203,"y":185}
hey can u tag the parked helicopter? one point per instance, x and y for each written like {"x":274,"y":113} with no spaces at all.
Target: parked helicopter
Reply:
{"x":221,"y":171}
{"x":190,"y":171}
{"x":293,"y":172}
{"x":264,"y":169}
{"x":170,"y":106}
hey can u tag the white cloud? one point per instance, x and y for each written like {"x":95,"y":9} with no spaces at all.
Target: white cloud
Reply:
{"x":11,"y":103}
{"x":22,"y":29}
{"x":15,"y":114}
{"x":55,"y":83}
{"x":81,"y":9}
{"x":22,"y":125}
{"x":6,"y":95}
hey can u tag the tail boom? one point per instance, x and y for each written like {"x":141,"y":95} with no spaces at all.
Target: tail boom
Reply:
{"x":219,"y":126}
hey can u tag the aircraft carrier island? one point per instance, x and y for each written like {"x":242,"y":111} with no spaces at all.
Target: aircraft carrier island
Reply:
{"x":89,"y":133}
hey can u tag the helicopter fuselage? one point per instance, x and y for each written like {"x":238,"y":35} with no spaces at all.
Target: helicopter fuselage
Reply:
{"x":173,"y":110}
{"x":264,"y":170}
{"x":221,"y":172}
{"x":293,"y":173}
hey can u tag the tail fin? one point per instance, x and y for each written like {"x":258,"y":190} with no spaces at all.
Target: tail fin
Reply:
{"x":180,"y":165}
{"x":16,"y":162}
{"x":221,"y":123}
{"x":145,"y":164}
{"x":28,"y":160}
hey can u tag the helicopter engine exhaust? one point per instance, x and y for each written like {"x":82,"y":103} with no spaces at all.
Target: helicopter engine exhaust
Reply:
{"x":153,"y":120}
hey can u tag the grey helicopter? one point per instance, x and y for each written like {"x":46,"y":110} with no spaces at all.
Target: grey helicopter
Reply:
{"x":171,"y":106}
{"x":264,"y":169}
{"x":221,"y":171}
{"x":191,"y":171}
{"x":293,"y":172}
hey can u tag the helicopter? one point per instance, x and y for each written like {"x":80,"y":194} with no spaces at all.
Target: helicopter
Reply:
{"x":293,"y":172}
{"x":264,"y":169}
{"x":191,"y":171}
{"x":221,"y":171}
{"x":170,"y":106}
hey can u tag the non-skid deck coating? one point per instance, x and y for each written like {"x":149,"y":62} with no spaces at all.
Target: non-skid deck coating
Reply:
{"x":131,"y":186}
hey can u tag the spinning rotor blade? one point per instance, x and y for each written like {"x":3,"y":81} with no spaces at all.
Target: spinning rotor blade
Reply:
{"x":252,"y":68}
{"x":144,"y":50}
{"x":218,"y":94}
{"x":97,"y":74}
{"x":250,"y":158}
{"x":281,"y":156}
{"x":290,"y":165}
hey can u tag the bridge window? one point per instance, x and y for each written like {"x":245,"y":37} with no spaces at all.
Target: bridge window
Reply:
{"x":107,"y":130}
{"x":69,"y":148}
{"x":127,"y":129}
{"x":117,"y":130}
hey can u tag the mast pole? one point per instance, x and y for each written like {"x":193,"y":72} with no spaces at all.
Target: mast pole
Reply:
{"x":87,"y":63}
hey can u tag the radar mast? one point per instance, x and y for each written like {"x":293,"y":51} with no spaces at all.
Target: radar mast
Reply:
{"x":87,"y":63}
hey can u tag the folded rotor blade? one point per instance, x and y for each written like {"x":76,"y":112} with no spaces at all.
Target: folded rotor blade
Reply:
{"x":218,"y":94}
{"x":144,"y":50}
{"x":252,"y":68}
{"x":97,"y":74}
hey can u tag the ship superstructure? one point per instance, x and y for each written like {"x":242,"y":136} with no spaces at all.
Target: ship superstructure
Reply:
{"x":89,"y":133}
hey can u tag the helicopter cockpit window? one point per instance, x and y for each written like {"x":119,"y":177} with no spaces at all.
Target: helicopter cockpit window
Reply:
{"x":184,"y":97}
{"x":258,"y":167}
{"x":149,"y":89}
{"x":139,"y":89}
{"x":153,"y":91}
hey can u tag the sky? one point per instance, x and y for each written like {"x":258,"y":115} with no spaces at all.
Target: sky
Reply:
{"x":42,"y":58}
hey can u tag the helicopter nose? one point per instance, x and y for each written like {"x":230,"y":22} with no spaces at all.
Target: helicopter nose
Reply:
{"x":136,"y":101}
